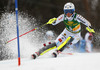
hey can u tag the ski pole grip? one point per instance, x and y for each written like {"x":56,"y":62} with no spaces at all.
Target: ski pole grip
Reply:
{"x":51,"y":20}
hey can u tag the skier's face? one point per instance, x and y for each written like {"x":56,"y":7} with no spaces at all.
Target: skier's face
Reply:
{"x":68,"y":14}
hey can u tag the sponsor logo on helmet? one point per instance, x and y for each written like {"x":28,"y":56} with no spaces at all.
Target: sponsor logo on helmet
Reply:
{"x":68,"y":7}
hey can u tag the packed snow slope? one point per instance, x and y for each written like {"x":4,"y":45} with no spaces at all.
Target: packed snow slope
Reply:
{"x":77,"y":61}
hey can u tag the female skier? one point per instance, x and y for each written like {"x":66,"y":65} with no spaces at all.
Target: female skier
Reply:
{"x":70,"y":35}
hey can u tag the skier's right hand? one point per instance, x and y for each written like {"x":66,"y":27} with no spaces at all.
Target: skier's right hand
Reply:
{"x":53,"y":20}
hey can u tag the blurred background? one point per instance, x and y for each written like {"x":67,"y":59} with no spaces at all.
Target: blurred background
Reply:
{"x":43,"y":10}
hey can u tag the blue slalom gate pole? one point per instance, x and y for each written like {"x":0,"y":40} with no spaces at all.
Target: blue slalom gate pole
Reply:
{"x":16,"y":9}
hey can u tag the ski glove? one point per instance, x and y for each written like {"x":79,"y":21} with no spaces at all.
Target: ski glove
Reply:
{"x":90,"y":30}
{"x":53,"y":20}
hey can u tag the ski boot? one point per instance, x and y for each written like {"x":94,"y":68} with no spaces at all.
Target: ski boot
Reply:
{"x":34,"y":56}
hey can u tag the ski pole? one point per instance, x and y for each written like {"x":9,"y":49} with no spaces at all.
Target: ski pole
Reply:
{"x":26,"y":33}
{"x":49,"y":22}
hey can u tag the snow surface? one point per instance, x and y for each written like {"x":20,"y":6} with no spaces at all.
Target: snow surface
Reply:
{"x":77,"y":61}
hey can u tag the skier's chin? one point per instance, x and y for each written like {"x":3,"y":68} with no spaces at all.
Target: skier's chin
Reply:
{"x":69,"y":15}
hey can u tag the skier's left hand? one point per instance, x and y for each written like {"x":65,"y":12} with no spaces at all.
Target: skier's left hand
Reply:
{"x":90,"y":30}
{"x":53,"y":20}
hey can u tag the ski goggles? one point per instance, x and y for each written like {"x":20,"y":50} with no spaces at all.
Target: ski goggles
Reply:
{"x":71,"y":11}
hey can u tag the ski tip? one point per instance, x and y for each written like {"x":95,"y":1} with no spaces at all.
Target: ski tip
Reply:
{"x":54,"y":54}
{"x":33,"y":56}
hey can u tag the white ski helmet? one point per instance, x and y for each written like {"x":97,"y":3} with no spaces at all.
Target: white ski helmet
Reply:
{"x":69,"y":7}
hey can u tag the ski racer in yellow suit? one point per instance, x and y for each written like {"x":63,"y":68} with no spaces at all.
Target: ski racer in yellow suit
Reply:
{"x":70,"y":35}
